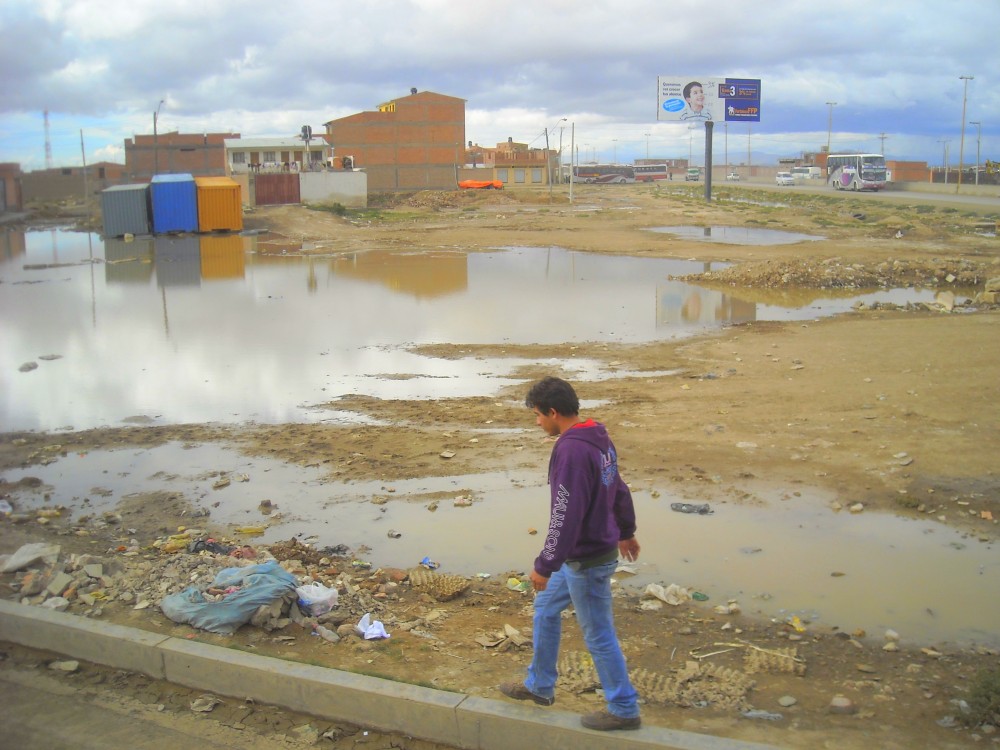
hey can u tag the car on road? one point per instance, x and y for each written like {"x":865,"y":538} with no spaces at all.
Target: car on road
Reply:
{"x":784,"y":178}
{"x":692,"y":175}
{"x":733,"y":176}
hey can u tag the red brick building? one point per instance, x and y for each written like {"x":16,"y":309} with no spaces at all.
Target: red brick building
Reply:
{"x":10,"y":186}
{"x":198,"y":154}
{"x":416,"y":142}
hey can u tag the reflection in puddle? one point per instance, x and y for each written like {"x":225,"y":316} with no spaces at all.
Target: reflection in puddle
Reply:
{"x":738,"y":235}
{"x":869,"y":571}
{"x":227,"y":328}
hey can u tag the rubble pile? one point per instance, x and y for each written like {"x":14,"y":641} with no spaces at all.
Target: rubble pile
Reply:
{"x":833,"y":273}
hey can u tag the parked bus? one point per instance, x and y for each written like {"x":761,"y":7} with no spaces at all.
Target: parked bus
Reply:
{"x":618,"y":174}
{"x":856,"y":171}
{"x":650,"y":172}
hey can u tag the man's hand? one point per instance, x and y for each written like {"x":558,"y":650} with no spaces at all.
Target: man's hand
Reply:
{"x":539,"y":582}
{"x":629,"y":549}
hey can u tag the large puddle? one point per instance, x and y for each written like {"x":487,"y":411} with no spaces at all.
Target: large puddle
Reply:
{"x":795,"y":556}
{"x":738,"y":235}
{"x":237,"y":328}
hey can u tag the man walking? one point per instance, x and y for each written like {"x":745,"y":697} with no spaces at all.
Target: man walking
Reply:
{"x":591,"y":521}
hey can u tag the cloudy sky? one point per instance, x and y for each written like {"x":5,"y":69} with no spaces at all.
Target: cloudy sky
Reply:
{"x":264,"y":68}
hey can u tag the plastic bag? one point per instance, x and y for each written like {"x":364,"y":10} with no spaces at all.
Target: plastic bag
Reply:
{"x":252,"y":586}
{"x":315,"y":599}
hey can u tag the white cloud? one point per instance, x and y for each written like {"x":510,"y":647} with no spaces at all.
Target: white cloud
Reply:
{"x":261,"y":68}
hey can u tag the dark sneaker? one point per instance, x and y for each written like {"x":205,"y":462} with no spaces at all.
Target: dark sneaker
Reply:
{"x":519,"y":692}
{"x":605,"y":721}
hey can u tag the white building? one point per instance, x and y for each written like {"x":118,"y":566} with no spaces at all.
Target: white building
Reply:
{"x":245,"y":155}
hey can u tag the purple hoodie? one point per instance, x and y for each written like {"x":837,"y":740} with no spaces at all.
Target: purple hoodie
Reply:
{"x":591,"y":505}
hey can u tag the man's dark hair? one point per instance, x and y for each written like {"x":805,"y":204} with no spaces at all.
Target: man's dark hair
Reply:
{"x":553,"y":393}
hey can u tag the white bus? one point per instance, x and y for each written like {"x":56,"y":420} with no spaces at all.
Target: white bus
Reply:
{"x":856,"y":171}
{"x":617,"y":174}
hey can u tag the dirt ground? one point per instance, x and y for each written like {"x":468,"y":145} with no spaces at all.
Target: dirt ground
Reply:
{"x":829,"y":404}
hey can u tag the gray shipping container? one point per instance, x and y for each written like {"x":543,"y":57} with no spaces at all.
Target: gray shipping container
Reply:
{"x":125,"y":209}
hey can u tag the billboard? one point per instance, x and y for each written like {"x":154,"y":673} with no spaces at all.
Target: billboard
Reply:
{"x":701,"y":99}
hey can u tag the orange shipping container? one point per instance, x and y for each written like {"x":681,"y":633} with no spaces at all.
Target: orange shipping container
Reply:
{"x":220,"y":205}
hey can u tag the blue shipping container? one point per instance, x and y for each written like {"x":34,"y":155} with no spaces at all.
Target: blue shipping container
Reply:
{"x":174,"y":199}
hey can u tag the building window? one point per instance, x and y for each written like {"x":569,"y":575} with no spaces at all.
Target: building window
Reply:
{"x":239,"y":157}
{"x":269,"y":156}
{"x":536,"y":175}
{"x":502,"y":176}
{"x":519,"y":175}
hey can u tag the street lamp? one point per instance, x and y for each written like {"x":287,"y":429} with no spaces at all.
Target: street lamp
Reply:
{"x":961,"y":144}
{"x":979,"y":134}
{"x":614,"y":142}
{"x":156,"y":143}
{"x":945,"y":142}
{"x":829,"y":127}
{"x":647,"y":145}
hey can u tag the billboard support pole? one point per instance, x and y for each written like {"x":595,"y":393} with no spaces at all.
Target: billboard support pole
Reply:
{"x":708,"y":160}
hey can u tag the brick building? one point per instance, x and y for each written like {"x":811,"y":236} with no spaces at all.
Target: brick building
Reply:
{"x":10,"y":186}
{"x":513,"y":164}
{"x":416,"y":142}
{"x":200,"y":154}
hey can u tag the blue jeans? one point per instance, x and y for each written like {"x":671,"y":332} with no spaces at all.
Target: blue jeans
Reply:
{"x":590,"y":592}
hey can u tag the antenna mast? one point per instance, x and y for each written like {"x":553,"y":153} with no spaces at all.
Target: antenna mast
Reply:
{"x":48,"y":143}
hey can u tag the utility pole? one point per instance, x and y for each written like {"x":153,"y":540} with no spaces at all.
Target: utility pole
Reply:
{"x":548,"y":161}
{"x":156,"y":142}
{"x":829,"y":126}
{"x":945,"y":142}
{"x":882,"y":137}
{"x":961,"y":145}
{"x":647,"y":145}
{"x":979,"y":134}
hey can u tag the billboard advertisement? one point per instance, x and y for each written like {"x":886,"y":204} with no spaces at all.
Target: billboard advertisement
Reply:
{"x":688,"y":99}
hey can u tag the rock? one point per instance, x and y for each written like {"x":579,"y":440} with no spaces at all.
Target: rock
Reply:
{"x":68,"y":665}
{"x":59,"y":583}
{"x":891,"y":646}
{"x":891,"y":635}
{"x":786,"y":701}
{"x":840,"y":704}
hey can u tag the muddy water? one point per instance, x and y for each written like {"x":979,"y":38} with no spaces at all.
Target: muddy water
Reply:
{"x":232,"y":329}
{"x":796,"y":556}
{"x":237,"y":328}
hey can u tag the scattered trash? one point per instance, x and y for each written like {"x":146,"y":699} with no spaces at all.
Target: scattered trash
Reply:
{"x":250,"y":530}
{"x":205,"y":703}
{"x":315,"y":599}
{"x":361,"y":565}
{"x":219,"y":484}
{"x":672,"y":594}
{"x":429,"y":564}
{"x":326,"y":634}
{"x":516,"y":584}
{"x":70,"y":665}
{"x":447,"y":454}
{"x":483,"y":576}
{"x":703,"y":509}
{"x":462,"y":501}
{"x":5,"y":508}
{"x":699,"y":597}
{"x":370,"y":629}
{"x":393,"y":534}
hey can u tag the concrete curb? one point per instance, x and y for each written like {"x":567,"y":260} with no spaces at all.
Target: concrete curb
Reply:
{"x":433,"y":715}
